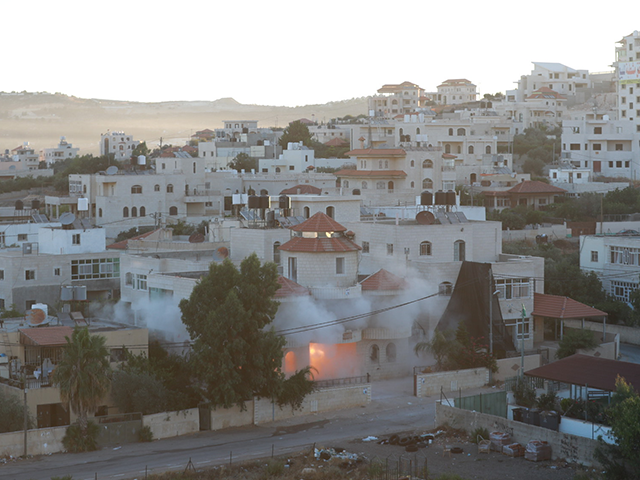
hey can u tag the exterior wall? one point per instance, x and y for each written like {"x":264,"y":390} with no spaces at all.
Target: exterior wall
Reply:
{"x":429,"y":384}
{"x":43,"y":441}
{"x":346,"y":209}
{"x":384,"y":367}
{"x":61,"y":241}
{"x":173,"y":424}
{"x":563,"y":446}
{"x":118,"y":144}
{"x":626,"y":334}
{"x":296,"y":158}
{"x":260,"y":241}
{"x":510,"y":367}
{"x":19,"y":233}
{"x":232,"y":417}
{"x":319,"y":269}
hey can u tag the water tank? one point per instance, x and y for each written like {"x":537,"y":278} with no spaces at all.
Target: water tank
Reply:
{"x":35,"y":204}
{"x":265,"y":202}
{"x":254,"y":201}
{"x":284,"y":202}
{"x":83,"y":204}
{"x":142,"y":160}
{"x":450,"y":197}
{"x":441,"y":198}
{"x":19,"y":205}
{"x":426,"y":198}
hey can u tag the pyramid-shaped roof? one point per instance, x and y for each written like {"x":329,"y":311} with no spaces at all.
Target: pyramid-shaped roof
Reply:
{"x":289,"y":288}
{"x":303,"y":189}
{"x":383,"y":280}
{"x":319,"y":222}
{"x":556,"y":306}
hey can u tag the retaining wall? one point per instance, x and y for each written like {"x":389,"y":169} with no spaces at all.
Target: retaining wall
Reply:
{"x":41,"y":441}
{"x":427,"y":384}
{"x":172,"y":424}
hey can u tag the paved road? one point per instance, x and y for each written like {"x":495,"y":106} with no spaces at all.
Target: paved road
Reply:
{"x":393,"y":409}
{"x":629,"y":353}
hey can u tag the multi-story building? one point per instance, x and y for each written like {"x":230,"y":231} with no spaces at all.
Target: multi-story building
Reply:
{"x":541,"y":108}
{"x":566,"y":81}
{"x":455,"y":91}
{"x":63,"y":151}
{"x":627,"y":67}
{"x":393,"y":99}
{"x":27,"y":156}
{"x":118,"y":144}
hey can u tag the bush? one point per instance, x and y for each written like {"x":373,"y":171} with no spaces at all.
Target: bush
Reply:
{"x":574,"y":340}
{"x":74,"y":441}
{"x":274,"y":468}
{"x":548,"y":401}
{"x":481,"y":431}
{"x":145,"y":434}
{"x":524,"y":393}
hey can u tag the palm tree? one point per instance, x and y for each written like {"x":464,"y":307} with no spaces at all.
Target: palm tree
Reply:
{"x":83,"y":374}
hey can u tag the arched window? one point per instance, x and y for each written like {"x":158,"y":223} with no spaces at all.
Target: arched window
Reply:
{"x":461,"y":132}
{"x":374,"y":353}
{"x":136,"y":189}
{"x":451,"y":132}
{"x":143,"y":211}
{"x":125,"y":212}
{"x":413,"y":184}
{"x":488,"y":149}
{"x":427,"y":184}
{"x":276,"y":253}
{"x":365,"y":185}
{"x":100,"y":212}
{"x":447,"y":148}
{"x":134,"y":212}
{"x":413,"y":163}
{"x":445,"y":288}
{"x":169,"y":188}
{"x":425,"y":249}
{"x":391,"y":352}
{"x":264,"y":191}
{"x":173,"y":210}
{"x":390,"y":186}
{"x":306,"y":212}
{"x":427,"y":164}
{"x":458,"y":251}
{"x":418,"y":131}
{"x":356,"y":191}
{"x":277,"y":169}
{"x":156,"y":188}
{"x":379,"y":185}
{"x":470,"y":148}
{"x":330,"y":211}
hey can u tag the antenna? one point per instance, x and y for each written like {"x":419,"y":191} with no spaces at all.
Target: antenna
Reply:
{"x":67,"y":219}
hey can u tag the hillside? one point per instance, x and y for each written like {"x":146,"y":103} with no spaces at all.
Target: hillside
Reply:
{"x":42,"y":118}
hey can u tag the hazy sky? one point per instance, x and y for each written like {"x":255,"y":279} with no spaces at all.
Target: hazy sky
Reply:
{"x":284,"y":52}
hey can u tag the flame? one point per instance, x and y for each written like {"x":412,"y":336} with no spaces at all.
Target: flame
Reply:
{"x":333,"y":361}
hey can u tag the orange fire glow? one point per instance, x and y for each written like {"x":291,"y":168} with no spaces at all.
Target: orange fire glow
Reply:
{"x":333,"y":361}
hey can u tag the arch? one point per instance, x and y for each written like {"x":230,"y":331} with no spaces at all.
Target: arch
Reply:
{"x":425,"y":248}
{"x":459,"y":251}
{"x":487,"y":149}
{"x":365,"y":185}
{"x":134,"y":212}
{"x":173,"y":210}
{"x":413,"y":184}
{"x":390,"y":185}
{"x":461,"y":132}
{"x":345,"y":183}
{"x":136,"y":189}
{"x":100,"y":212}
{"x":276,"y":253}
{"x":374,"y":353}
{"x":306,"y":212}
{"x":451,"y":132}
{"x":125,"y":212}
{"x":277,"y":169}
{"x":401,"y":132}
{"x":143,"y":212}
{"x":264,"y":191}
{"x":330,"y":211}
{"x":170,"y":188}
{"x":447,"y":148}
{"x":427,"y":163}
{"x":355,"y":191}
{"x":445,"y":288}
{"x":156,"y":188}
{"x":390,"y":350}
{"x":473,"y":178}
{"x":413,"y":163}
{"x":427,"y":184}
{"x":471,"y":149}
{"x":418,"y":131}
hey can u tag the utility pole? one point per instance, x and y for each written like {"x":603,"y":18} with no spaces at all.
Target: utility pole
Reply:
{"x":524,"y":314}
{"x":26,"y":416}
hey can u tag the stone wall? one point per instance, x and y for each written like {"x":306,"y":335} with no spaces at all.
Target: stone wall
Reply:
{"x":430,"y":383}
{"x":563,"y":446}
{"x":43,"y":441}
{"x":509,"y":367}
{"x":627,"y":334}
{"x":172,"y":424}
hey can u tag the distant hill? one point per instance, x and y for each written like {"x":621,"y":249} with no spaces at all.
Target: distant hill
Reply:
{"x":42,"y":118}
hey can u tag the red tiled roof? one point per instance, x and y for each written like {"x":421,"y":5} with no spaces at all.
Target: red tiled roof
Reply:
{"x":383,"y":280}
{"x":303,"y":189}
{"x":370,"y":173}
{"x":588,"y":370}
{"x":289,"y":288}
{"x":555,"y":306}
{"x":535,"y":186}
{"x":123,"y":244}
{"x":319,"y":222}
{"x":377,"y":152}
{"x":47,"y":336}
{"x":336,"y":142}
{"x":320,"y":245}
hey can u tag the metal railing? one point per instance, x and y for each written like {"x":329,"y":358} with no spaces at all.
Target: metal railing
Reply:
{"x":338,"y":382}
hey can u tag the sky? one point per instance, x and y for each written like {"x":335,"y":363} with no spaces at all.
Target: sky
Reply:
{"x":290,"y":53}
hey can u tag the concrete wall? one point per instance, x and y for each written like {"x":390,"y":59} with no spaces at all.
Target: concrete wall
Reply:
{"x":431,"y":383}
{"x":172,"y":424}
{"x":554,"y":232}
{"x":232,"y":417}
{"x":627,"y":334}
{"x":43,"y":441}
{"x":509,"y":367}
{"x":563,"y":446}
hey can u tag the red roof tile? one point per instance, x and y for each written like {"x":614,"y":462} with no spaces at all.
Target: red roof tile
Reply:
{"x":370,"y":173}
{"x":377,"y":152}
{"x":123,"y":244}
{"x":336,"y":142}
{"x":535,"y":186}
{"x":319,"y":222}
{"x":555,"y":306}
{"x":46,"y":336}
{"x":383,"y":280}
{"x":289,"y":288}
{"x":320,"y":245}
{"x":304,"y":189}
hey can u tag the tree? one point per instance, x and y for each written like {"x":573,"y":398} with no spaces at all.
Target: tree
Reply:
{"x":83,"y":376}
{"x":296,"y":132}
{"x":141,"y":149}
{"x":574,"y":340}
{"x":12,"y":413}
{"x":242,"y":161}
{"x":235,"y":352}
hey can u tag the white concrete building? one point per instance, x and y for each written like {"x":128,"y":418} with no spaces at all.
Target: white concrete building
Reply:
{"x":394,"y":99}
{"x":296,"y":158}
{"x":118,"y":144}
{"x":455,"y":91}
{"x":63,"y":151}
{"x":627,"y":67}
{"x":567,"y":81}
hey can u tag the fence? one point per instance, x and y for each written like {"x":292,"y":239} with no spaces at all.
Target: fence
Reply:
{"x":338,"y":382}
{"x":534,"y":382}
{"x":394,"y":468}
{"x":494,"y":403}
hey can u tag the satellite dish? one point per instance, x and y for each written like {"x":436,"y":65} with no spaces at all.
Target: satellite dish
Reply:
{"x":67,"y":219}
{"x":425,"y":218}
{"x":220,"y":254}
{"x":112,"y":170}
{"x":196,"y":238}
{"x":36,"y":317}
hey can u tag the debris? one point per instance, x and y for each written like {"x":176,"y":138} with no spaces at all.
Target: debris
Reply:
{"x":370,"y":438}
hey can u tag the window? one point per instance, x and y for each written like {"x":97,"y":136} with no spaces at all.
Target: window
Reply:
{"x":56,"y":272}
{"x":618,"y":147}
{"x":136,"y":189}
{"x":140,"y":282}
{"x":117,"y":355}
{"x":625,"y":255}
{"x":445,"y":288}
{"x":29,"y":274}
{"x":461,"y":132}
{"x":128,"y":280}
{"x":390,"y":249}
{"x":458,"y":251}
{"x":374,"y":353}
{"x":365,"y":247}
{"x":134,"y":212}
{"x":22,"y":237}
{"x":510,"y":288}
{"x":574,"y":146}
{"x":425,"y":248}
{"x":169,"y":188}
{"x":427,"y":184}
{"x":143,"y":211}
{"x":391,"y":352}
{"x":622,"y":290}
{"x":413,"y":163}
{"x":471,"y":150}
{"x":75,"y":239}
{"x":594,"y":255}
{"x":276,"y":253}
{"x":597,"y":147}
{"x":597,"y":130}
{"x":100,"y":213}
{"x":95,"y":268}
{"x":365,"y":185}
{"x":2,"y":238}
{"x":292,"y":265}
{"x":1,"y":274}
{"x":380,"y":185}
{"x":173,"y":210}
{"x":156,"y":188}
{"x":487,"y":150}
{"x":451,"y":132}
{"x":340,"y":266}
{"x":125,"y":212}
{"x":427,"y":164}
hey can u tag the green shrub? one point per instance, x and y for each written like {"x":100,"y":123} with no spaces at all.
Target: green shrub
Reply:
{"x":483,"y":432}
{"x":548,"y":401}
{"x":524,"y":393}
{"x":274,"y":468}
{"x":74,"y":441}
{"x":145,"y":434}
